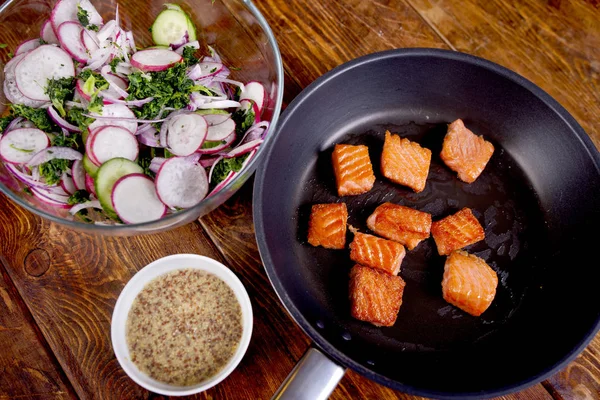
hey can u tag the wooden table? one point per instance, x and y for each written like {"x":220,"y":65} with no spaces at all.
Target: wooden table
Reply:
{"x":59,"y":287}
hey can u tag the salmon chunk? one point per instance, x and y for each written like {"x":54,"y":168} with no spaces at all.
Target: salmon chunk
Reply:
{"x":456,"y":231}
{"x":404,"y":162}
{"x":399,"y":223}
{"x":327,"y":225}
{"x":464,"y":152}
{"x":374,"y":252}
{"x":375,"y":296}
{"x":353,"y":169}
{"x":469,"y":283}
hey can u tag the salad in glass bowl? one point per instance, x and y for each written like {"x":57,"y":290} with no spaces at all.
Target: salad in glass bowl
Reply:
{"x":106,"y":129}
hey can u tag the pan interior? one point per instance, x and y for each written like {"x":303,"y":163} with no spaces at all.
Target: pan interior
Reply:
{"x":534,"y":200}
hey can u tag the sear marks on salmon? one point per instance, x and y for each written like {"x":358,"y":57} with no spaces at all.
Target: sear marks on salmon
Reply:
{"x":353,"y":169}
{"x":456,"y":231}
{"x":327,"y":225}
{"x":404,"y":162}
{"x":464,"y":152}
{"x":375,"y":296}
{"x":372,"y":251}
{"x":399,"y":223}
{"x":468,"y":282}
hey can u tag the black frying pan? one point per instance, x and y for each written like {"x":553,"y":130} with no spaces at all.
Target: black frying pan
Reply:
{"x":538,"y":200}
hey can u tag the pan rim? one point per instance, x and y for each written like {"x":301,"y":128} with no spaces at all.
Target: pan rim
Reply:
{"x":320,"y":341}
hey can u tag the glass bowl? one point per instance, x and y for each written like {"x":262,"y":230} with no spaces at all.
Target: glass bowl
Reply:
{"x":237,"y":31}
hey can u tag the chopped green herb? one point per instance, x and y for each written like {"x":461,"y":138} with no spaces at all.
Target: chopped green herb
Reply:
{"x":211,"y":144}
{"x":114,"y":62}
{"x":5,"y":121}
{"x":96,"y":104}
{"x":59,"y":91}
{"x":42,"y":41}
{"x":225,"y":166}
{"x":212,"y":71}
{"x":188,"y":56}
{"x":38,"y":116}
{"x":28,"y":191}
{"x":235,"y":68}
{"x":168,"y":154}
{"x":11,"y":54}
{"x":93,"y":81}
{"x":243,"y":120}
{"x":76,"y":117}
{"x":144,"y":162}
{"x":169,"y":88}
{"x":52,"y":170}
{"x":80,"y":196}
{"x":3,"y":45}
{"x":84,"y":19}
{"x":62,"y":140}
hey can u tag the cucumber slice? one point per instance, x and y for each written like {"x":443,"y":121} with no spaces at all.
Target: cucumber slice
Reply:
{"x":89,"y":166}
{"x":170,"y":27}
{"x":211,"y":111}
{"x":108,"y":174}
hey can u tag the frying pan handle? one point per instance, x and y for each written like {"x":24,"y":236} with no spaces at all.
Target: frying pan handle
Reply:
{"x":313,"y":378}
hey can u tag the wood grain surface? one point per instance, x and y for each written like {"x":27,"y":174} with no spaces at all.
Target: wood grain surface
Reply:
{"x":58,"y":287}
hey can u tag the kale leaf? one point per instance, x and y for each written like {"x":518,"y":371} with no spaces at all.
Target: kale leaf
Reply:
{"x":80,"y":196}
{"x":59,"y":91}
{"x":38,"y":116}
{"x":62,"y":140}
{"x":52,"y":170}
{"x":225,"y":166}
{"x":243,"y":120}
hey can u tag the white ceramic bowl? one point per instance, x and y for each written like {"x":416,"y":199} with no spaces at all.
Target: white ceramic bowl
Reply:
{"x":137,"y":283}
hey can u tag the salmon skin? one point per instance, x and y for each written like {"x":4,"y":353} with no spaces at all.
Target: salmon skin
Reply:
{"x":456,"y":231}
{"x":375,"y":296}
{"x":468,"y":282}
{"x":404,"y":162}
{"x":464,"y":152}
{"x":327,"y":225}
{"x":402,"y":224}
{"x":382,"y":254}
{"x":353,"y":169}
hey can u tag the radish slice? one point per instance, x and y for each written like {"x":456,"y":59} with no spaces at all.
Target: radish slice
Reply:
{"x":69,"y":35}
{"x":78,"y":174}
{"x":245,"y":148}
{"x":113,"y":141}
{"x":66,"y":10}
{"x":117,"y":111}
{"x":255,"y":91}
{"x":221,"y":145}
{"x":154,"y":59}
{"x":88,"y":147}
{"x":219,"y":104}
{"x":216,"y":119}
{"x":89,"y":185}
{"x":39,"y":65}
{"x":27,"y":45}
{"x":135,"y":200}
{"x":186,"y":133}
{"x":11,"y":90}
{"x":221,"y":131}
{"x":47,"y":33}
{"x":66,"y":182}
{"x":181,"y":183}
{"x":89,"y":41}
{"x":20,"y":145}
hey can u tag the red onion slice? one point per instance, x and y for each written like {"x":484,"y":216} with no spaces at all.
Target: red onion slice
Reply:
{"x":61,"y":121}
{"x":50,"y":153}
{"x":82,"y":206}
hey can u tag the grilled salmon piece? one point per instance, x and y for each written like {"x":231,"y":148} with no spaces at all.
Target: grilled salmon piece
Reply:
{"x":353,"y":169}
{"x":327,"y":225}
{"x":372,"y":251}
{"x":399,"y":223}
{"x":456,"y":231}
{"x":405,"y":162}
{"x":464,"y":152}
{"x":469,"y":283}
{"x":375,"y":296}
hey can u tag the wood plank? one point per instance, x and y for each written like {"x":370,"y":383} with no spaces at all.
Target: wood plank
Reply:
{"x":28,"y":367}
{"x":581,"y":378}
{"x":71,"y":281}
{"x":315,"y":36}
{"x":553,"y":43}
